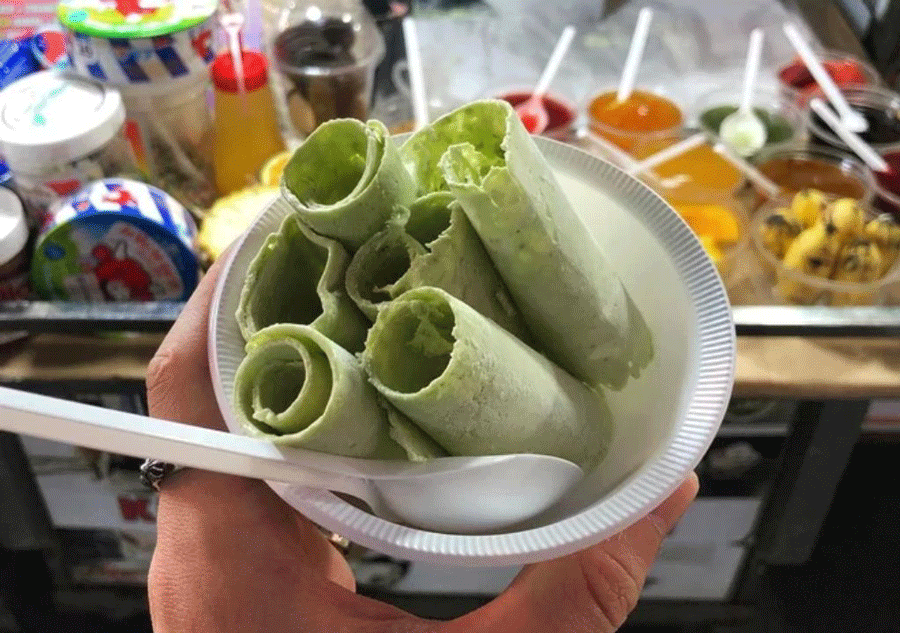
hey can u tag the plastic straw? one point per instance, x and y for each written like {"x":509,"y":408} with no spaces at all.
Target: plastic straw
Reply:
{"x":679,"y":148}
{"x":752,"y":173}
{"x":751,"y":69}
{"x":635,"y":54}
{"x":851,"y":118}
{"x":862,"y":149}
{"x":233,"y":23}
{"x":416,"y":73}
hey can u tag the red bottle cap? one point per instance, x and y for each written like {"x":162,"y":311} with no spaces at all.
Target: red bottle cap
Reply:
{"x":224,"y":75}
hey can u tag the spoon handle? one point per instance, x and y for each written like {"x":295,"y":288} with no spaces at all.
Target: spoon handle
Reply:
{"x":559,"y":51}
{"x":751,"y":69}
{"x":139,"y":436}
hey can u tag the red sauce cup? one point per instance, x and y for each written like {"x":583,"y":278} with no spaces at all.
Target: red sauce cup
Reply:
{"x":561,"y":111}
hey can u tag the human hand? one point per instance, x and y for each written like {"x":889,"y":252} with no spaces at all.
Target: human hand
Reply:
{"x":232,"y":557}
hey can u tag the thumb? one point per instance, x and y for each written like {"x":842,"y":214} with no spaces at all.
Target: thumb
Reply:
{"x":592,"y":591}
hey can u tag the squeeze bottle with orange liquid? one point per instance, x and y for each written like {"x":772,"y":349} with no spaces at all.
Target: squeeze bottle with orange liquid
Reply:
{"x":246,"y":125}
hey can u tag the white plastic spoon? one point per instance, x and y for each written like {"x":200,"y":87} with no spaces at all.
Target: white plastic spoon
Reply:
{"x":417,"y":91}
{"x":667,"y":154}
{"x":742,"y":129}
{"x":635,"y":55}
{"x":851,"y":118}
{"x":452,"y":495}
{"x":532,"y":112}
{"x":862,"y":149}
{"x":752,"y":173}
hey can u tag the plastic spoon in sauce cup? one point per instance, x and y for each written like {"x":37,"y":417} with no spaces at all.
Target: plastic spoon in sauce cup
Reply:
{"x":866,"y":153}
{"x":635,"y":55}
{"x":532,"y":112}
{"x":416,"y":74}
{"x":752,"y":173}
{"x":666,"y":154}
{"x":851,"y":118}
{"x":742,"y":129}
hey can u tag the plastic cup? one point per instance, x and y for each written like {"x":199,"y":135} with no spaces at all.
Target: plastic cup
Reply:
{"x":561,"y":111}
{"x":688,"y":202}
{"x":844,"y":68}
{"x":321,"y":86}
{"x":170,"y":128}
{"x":832,"y":172}
{"x":784,"y":121}
{"x":881,"y":109}
{"x":787,"y":286}
{"x":656,"y":132}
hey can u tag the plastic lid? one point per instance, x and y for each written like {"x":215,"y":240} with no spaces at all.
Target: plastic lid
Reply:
{"x":134,"y":18}
{"x":48,"y":118}
{"x":255,"y":75}
{"x":13,"y":226}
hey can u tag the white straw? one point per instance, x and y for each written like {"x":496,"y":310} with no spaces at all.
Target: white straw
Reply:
{"x":233,"y":23}
{"x":752,"y":173}
{"x":667,"y":154}
{"x":852,"y":119}
{"x":416,"y":73}
{"x":862,"y":149}
{"x":562,"y":46}
{"x":635,"y":54}
{"x":751,"y":70}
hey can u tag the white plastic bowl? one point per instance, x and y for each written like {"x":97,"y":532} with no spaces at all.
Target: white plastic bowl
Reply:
{"x":665,"y":420}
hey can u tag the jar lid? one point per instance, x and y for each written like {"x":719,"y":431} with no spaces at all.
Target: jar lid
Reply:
{"x":13,"y":226}
{"x":224,"y":75}
{"x":133,"y":18}
{"x":48,"y":118}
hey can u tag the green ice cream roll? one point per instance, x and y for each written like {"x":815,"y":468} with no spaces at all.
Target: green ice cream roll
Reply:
{"x":298,"y":277}
{"x":298,"y":388}
{"x":573,"y":302}
{"x":346,"y":180}
{"x":433,"y":244}
{"x":475,"y":389}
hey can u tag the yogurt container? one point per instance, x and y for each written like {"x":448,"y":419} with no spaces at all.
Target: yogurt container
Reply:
{"x":116,"y":240}
{"x":127,"y":43}
{"x":157,"y":54}
{"x":58,"y":133}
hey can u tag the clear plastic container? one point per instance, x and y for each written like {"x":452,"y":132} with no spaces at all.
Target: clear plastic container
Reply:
{"x":59,"y":133}
{"x":324,"y":54}
{"x":782,"y":285}
{"x":170,"y":128}
{"x":844,"y":68}
{"x":833,"y":172}
{"x":786,"y":119}
{"x":692,"y":203}
{"x":665,"y":128}
{"x":880,"y":107}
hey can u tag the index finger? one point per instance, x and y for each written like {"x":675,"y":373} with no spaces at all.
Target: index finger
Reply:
{"x":179,"y":386}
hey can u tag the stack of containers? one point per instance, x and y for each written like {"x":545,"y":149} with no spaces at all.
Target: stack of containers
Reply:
{"x":158,"y":57}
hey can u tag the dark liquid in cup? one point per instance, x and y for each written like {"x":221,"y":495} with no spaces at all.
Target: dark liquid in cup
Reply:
{"x":327,"y":80}
{"x":884,"y":127}
{"x":794,"y":174}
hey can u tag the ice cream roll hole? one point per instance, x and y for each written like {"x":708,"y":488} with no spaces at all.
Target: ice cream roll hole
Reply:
{"x":284,"y":384}
{"x":411,"y":343}
{"x":429,"y":217}
{"x":330,"y":165}
{"x":292,"y":264}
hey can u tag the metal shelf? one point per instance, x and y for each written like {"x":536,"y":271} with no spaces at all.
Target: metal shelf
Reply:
{"x":817,"y":321}
{"x":40,"y":317}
